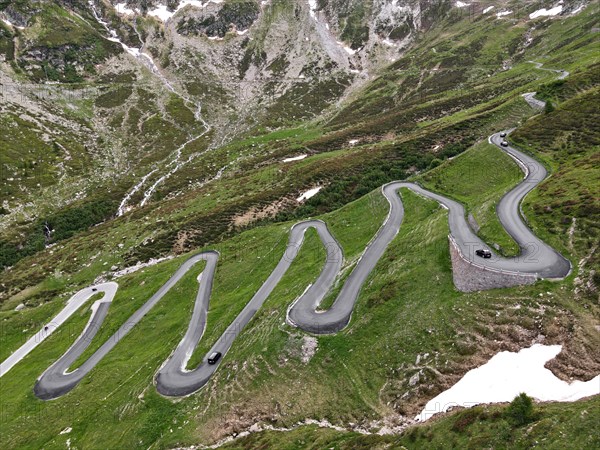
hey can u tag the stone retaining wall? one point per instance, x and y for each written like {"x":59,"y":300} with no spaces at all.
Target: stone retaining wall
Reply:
{"x":469,"y":277}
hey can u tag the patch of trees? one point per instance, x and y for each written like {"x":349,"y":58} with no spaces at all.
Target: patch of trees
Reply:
{"x":54,"y":228}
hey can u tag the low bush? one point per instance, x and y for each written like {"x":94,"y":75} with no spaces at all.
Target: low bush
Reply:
{"x":520,"y":411}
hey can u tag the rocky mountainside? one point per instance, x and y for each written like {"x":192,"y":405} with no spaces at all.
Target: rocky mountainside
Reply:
{"x":245,"y":52}
{"x":254,"y":54}
{"x":126,"y":86}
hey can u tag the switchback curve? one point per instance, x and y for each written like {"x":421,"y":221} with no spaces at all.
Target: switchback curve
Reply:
{"x":173,"y":379}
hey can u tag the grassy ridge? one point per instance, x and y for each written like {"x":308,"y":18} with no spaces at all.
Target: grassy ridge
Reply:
{"x":478,"y":427}
{"x":564,"y":208}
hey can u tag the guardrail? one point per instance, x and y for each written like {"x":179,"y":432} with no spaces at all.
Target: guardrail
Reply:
{"x":490,"y":269}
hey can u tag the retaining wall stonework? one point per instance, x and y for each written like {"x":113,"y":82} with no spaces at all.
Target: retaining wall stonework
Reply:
{"x":469,"y":277}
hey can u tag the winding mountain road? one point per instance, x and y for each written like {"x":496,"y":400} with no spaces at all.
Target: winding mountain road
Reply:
{"x":174,"y":379}
{"x":530,"y":96}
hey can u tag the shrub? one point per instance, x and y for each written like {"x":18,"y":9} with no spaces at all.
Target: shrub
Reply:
{"x":520,"y":411}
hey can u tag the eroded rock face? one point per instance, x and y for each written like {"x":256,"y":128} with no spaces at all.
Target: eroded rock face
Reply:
{"x":218,"y":20}
{"x":19,"y":14}
{"x":246,"y":41}
{"x":363,"y":24}
{"x":65,"y":63}
{"x":54,"y":58}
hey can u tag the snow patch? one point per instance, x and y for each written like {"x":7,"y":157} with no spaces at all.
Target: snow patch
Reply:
{"x":312,"y":8}
{"x":578,"y":9}
{"x":508,"y":374}
{"x":309,"y":194}
{"x":488,"y":9}
{"x":161,"y":12}
{"x":546,"y":12}
{"x":348,"y":50}
{"x":123,"y":9}
{"x":461,"y":4}
{"x":503,"y":13}
{"x":294,"y":158}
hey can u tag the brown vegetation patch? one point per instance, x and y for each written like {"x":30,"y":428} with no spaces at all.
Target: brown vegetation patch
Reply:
{"x":260,"y":212}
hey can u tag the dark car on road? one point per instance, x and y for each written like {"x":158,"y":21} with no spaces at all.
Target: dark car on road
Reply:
{"x":214,"y":357}
{"x":484,"y":253}
{"x":504,"y":144}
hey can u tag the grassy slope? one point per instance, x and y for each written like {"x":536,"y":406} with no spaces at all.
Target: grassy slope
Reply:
{"x":569,"y":141}
{"x":394,"y":143}
{"x":74,"y":44}
{"x":262,"y":379}
{"x":398,"y":317}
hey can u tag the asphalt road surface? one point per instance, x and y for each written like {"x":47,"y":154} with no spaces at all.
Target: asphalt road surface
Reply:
{"x":74,"y":303}
{"x":174,"y":379}
{"x":530,"y":96}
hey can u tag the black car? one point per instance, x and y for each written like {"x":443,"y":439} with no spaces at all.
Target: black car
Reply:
{"x":504,"y":144}
{"x":484,"y":253}
{"x":94,"y":289}
{"x":503,"y":134}
{"x":214,"y":357}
